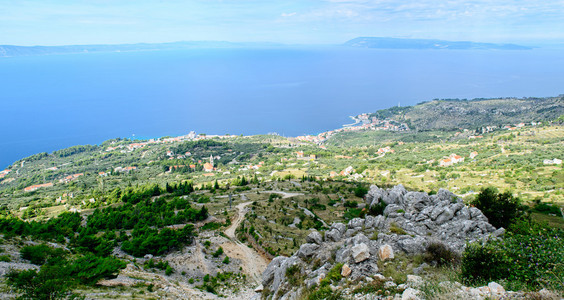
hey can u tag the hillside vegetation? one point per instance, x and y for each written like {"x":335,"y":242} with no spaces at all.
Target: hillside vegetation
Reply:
{"x":200,"y":217}
{"x":452,"y":114}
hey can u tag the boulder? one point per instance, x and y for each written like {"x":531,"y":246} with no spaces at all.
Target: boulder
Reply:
{"x":345,"y":270}
{"x":375,"y":195}
{"x":356,"y":223}
{"x":411,"y":294}
{"x":340,"y":227}
{"x":446,"y":195}
{"x":412,"y":245}
{"x":417,"y":200}
{"x":343,"y":255}
{"x":363,"y":270}
{"x":386,"y":252}
{"x":499,"y":232}
{"x":389,"y":285}
{"x":314,"y":238}
{"x":463,"y":214}
{"x":307,"y":250}
{"x":369,"y":222}
{"x":496,"y":289}
{"x":333,"y":235}
{"x":275,"y":274}
{"x":437,"y":210}
{"x":414,"y":281}
{"x":445,"y":216}
{"x":391,"y":209}
{"x":351,"y":232}
{"x":268,"y":274}
{"x":359,"y":239}
{"x":360,"y":252}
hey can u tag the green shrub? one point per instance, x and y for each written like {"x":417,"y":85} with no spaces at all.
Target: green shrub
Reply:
{"x":50,"y":282}
{"x":352,"y":213}
{"x":226,"y":260}
{"x":528,"y":257}
{"x":294,"y":275}
{"x":548,"y":209}
{"x":169,"y":271}
{"x":500,"y":209}
{"x":218,"y":252}
{"x":40,"y":254}
{"x":89,"y":269}
{"x":324,"y":293}
{"x":377,"y":209}
{"x":5,"y":258}
{"x":394,"y":228}
{"x":333,"y":276}
{"x":360,"y":191}
{"x":211,"y":226}
{"x":441,"y":254}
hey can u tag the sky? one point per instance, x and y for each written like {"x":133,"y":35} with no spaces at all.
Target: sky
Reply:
{"x":72,"y":22}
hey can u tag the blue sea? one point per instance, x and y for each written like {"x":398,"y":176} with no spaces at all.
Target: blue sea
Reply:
{"x":53,"y":102}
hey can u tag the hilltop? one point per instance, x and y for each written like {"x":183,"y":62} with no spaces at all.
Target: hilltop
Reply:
{"x":453,"y":114}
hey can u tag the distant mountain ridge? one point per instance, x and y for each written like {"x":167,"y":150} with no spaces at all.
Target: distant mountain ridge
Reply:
{"x":360,"y":42}
{"x":10,"y":50}
{"x":452,"y":114}
{"x":398,"y":43}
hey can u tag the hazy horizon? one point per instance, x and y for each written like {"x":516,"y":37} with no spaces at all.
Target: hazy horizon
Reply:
{"x":85,"y":22}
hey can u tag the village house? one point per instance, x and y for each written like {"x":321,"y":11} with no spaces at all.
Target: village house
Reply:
{"x":32,"y":188}
{"x":451,"y":160}
{"x":555,"y":161}
{"x":208,"y":167}
{"x":347,"y":171}
{"x":385,"y":150}
{"x":473,"y":154}
{"x":4,"y":173}
{"x":71,"y":178}
{"x":126,"y":169}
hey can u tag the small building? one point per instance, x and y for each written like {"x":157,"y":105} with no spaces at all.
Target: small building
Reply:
{"x":451,"y":160}
{"x":32,"y":188}
{"x":555,"y":161}
{"x":348,"y":171}
{"x":445,"y":162}
{"x":208,"y":167}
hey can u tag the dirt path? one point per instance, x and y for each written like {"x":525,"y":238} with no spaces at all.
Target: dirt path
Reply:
{"x":253,"y":263}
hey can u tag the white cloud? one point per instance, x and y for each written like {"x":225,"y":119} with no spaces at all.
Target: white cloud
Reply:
{"x":286,"y":15}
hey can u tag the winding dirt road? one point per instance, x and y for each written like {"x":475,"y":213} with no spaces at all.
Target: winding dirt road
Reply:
{"x":253,"y":263}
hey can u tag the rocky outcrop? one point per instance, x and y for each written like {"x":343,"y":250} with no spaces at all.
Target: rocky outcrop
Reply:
{"x":411,"y":220}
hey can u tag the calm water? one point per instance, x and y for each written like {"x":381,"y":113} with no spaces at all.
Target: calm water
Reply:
{"x":52,"y":102}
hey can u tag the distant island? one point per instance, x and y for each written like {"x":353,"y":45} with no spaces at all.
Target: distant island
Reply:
{"x":11,"y":50}
{"x":398,"y":43}
{"x":360,"y":42}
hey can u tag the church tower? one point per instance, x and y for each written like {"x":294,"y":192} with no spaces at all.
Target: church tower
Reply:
{"x":211,"y":160}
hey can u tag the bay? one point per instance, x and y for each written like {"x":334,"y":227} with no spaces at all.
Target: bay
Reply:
{"x":53,"y":102}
